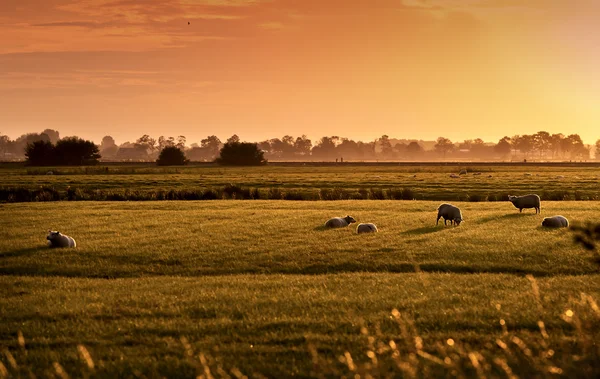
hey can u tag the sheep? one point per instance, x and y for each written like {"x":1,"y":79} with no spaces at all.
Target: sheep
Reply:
{"x":49,"y":173}
{"x":476,"y":173}
{"x":454,"y":176}
{"x":555,"y":222}
{"x":339,"y":222}
{"x":449,"y":212}
{"x":527,"y":174}
{"x":527,"y":201}
{"x":366,"y":228}
{"x":56,"y":239}
{"x":462,"y":172}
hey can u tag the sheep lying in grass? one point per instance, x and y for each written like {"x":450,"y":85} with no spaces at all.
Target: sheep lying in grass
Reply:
{"x":454,"y":176}
{"x":339,"y":222}
{"x":366,"y":228}
{"x":55,"y":239}
{"x":527,"y":201}
{"x":555,"y":222}
{"x":449,"y":212}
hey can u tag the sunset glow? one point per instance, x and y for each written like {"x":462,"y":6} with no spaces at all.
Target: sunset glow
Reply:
{"x":265,"y":68}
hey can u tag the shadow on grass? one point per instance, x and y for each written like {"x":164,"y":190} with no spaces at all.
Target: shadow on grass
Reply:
{"x":322,"y":228}
{"x":510,"y":216}
{"x":424,"y":230}
{"x":22,"y":252}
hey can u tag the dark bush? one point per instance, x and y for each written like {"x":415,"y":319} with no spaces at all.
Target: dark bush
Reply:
{"x":241,"y":154}
{"x":74,"y":151}
{"x":171,"y":156}
{"x":40,"y":153}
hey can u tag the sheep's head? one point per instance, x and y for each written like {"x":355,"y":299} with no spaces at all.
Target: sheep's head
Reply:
{"x":52,"y":235}
{"x":512,"y":198}
{"x":458,"y":220}
{"x":349,"y":219}
{"x":545,"y":222}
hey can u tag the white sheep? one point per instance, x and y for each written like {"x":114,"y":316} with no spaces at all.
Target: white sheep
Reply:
{"x":555,"y":222}
{"x":366,"y":228}
{"x":56,"y":239}
{"x":339,"y":222}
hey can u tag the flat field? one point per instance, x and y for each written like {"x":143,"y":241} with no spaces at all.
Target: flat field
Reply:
{"x":430,"y":182}
{"x":176,"y":288}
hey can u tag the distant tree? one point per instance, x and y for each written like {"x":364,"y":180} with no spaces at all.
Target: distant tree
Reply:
{"x":241,"y":154}
{"x":74,"y":151}
{"x":503,"y":147}
{"x":303,"y":145}
{"x":348,"y":149}
{"x":598,"y":149}
{"x":325,"y":148}
{"x":577,"y":148}
{"x":414,"y":149}
{"x":40,"y":153}
{"x":147,"y":142}
{"x":171,"y":156}
{"x":524,"y":144}
{"x":234,"y":138}
{"x":400,"y":149}
{"x":108,"y":147}
{"x":386,"y":146}
{"x":5,"y":143}
{"x":212,"y":144}
{"x":443,"y":146}
{"x":52,"y":134}
{"x":555,"y":143}
{"x":542,"y":142}
{"x":181,"y":140}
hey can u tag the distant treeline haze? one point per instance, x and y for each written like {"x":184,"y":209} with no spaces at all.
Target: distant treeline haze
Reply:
{"x":538,"y":146}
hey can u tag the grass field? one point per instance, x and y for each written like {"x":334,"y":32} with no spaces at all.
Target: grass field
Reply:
{"x":553,"y":182}
{"x":261,"y":287}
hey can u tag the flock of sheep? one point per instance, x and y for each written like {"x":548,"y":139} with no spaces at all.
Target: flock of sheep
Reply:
{"x":446,"y":211}
{"x":453,"y":214}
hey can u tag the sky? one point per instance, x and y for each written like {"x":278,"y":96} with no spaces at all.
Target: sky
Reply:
{"x":261,"y":69}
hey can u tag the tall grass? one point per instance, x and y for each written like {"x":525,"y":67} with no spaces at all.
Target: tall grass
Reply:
{"x":390,"y":348}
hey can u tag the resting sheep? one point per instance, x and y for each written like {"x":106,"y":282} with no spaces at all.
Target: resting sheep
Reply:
{"x":527,"y":201}
{"x":339,"y":222}
{"x":55,"y":239}
{"x":366,"y":228}
{"x":555,"y":222}
{"x":449,"y":212}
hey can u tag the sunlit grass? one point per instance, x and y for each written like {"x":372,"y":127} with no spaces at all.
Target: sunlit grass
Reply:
{"x":259,"y":287}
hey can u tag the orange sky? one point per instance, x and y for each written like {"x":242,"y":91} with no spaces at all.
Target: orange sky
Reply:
{"x":265,"y":68}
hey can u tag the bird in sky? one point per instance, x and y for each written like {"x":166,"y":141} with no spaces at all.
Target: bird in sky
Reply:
{"x":188,"y":22}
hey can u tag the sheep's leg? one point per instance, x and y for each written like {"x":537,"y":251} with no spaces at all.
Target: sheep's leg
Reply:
{"x":438,"y":220}
{"x":520,"y":210}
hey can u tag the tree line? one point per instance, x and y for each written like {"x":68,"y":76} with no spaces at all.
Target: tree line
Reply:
{"x":538,"y":146}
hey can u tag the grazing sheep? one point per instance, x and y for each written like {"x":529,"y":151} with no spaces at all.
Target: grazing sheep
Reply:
{"x":527,"y":201}
{"x":366,"y":228}
{"x":462,"y":172}
{"x":339,"y":222}
{"x":55,"y":239}
{"x":449,"y":212}
{"x":555,"y":222}
{"x":490,"y":176}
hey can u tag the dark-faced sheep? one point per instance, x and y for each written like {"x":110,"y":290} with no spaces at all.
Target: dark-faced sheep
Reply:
{"x":339,"y":222}
{"x":555,"y":222}
{"x":527,"y":201}
{"x":366,"y":228}
{"x":56,"y":239}
{"x":449,"y":212}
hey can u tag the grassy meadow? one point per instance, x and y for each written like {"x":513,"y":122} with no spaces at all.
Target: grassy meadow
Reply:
{"x":229,"y":287}
{"x":431,"y":182}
